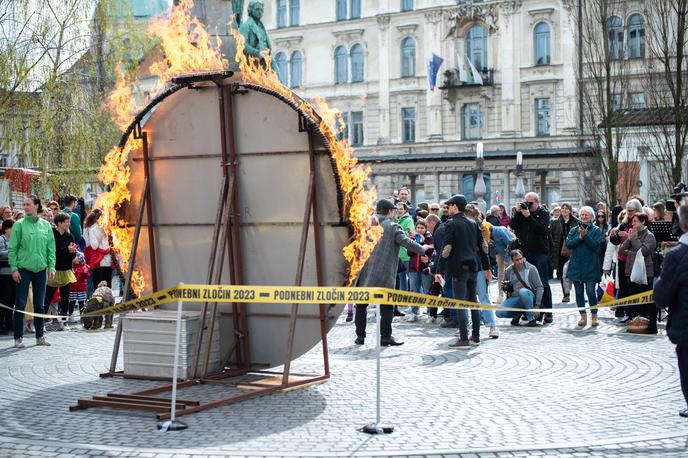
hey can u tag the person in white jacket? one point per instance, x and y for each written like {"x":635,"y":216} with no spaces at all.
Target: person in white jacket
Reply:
{"x":97,"y":249}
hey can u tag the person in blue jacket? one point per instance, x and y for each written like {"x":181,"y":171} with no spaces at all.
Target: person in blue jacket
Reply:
{"x":584,"y":266}
{"x":671,"y":291}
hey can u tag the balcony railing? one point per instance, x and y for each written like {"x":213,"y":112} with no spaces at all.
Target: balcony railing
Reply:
{"x":452,"y":80}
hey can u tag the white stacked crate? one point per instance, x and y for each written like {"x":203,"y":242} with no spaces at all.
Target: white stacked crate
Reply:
{"x":148,"y":340}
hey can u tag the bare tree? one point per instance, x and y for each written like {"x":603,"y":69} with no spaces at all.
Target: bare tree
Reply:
{"x":666,"y":88}
{"x":603,"y":73}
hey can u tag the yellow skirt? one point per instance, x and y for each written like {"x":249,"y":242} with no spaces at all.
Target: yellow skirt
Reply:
{"x":62,"y":278}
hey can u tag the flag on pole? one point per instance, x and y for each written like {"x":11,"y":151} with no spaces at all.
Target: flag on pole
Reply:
{"x":476,"y":77}
{"x":434,"y":65}
{"x":463,"y":77}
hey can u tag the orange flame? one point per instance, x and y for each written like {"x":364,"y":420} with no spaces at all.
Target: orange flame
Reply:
{"x":187,"y":47}
{"x":358,"y":201}
{"x":186,"y":44}
{"x":116,"y":173}
{"x":120,"y":102}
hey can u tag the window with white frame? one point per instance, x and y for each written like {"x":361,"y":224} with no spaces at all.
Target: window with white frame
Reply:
{"x":356,"y":129}
{"x":282,"y":69}
{"x":295,"y":71}
{"x":408,"y":57}
{"x":542,"y":44}
{"x":636,"y":36}
{"x":615,"y":36}
{"x":294,"y":12}
{"x":281,"y":13}
{"x":408,"y":125}
{"x":471,"y":121}
{"x":357,"y":69}
{"x":355,"y":9}
{"x":341,"y":65}
{"x":476,"y":46}
{"x":348,"y":9}
{"x":617,"y":102}
{"x":542,"y":117}
{"x":341,"y":10}
{"x":636,"y":100}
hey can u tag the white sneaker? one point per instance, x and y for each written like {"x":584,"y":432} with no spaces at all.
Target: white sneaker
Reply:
{"x":41,"y":342}
{"x":65,"y":326}
{"x":432,"y":319}
{"x":19,"y":343}
{"x":412,"y":317}
{"x":494,"y":332}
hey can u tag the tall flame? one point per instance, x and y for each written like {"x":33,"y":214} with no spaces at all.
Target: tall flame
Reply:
{"x":186,"y":44}
{"x":358,"y":201}
{"x":120,"y":103}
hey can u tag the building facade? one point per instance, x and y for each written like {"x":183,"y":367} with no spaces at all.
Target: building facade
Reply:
{"x":369,"y":59}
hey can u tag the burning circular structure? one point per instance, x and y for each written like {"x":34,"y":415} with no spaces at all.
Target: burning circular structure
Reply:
{"x":231,"y":179}
{"x":242,"y":189}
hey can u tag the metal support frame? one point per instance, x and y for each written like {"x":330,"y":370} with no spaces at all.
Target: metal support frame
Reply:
{"x":146,"y":204}
{"x":228,"y":212}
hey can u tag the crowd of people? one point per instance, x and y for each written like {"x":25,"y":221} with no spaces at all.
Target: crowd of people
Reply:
{"x":50,"y":263}
{"x":455,"y":250}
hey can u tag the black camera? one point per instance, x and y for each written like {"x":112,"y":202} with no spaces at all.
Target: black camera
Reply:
{"x":525,"y":205}
{"x":508,"y":287}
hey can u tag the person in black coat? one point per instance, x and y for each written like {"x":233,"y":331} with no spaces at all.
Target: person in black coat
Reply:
{"x":65,"y":252}
{"x":671,"y":291}
{"x":462,"y":255}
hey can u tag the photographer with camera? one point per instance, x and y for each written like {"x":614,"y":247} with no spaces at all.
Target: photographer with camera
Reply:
{"x":523,"y":288}
{"x":584,"y":266}
{"x":531,"y":224}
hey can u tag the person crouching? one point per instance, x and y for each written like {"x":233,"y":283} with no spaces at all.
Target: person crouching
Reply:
{"x":523,"y":288}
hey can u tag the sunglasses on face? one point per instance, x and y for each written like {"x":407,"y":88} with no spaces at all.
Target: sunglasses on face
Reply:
{"x":434,"y":209}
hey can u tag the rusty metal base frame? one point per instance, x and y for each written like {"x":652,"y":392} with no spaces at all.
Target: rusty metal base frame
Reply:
{"x":278,"y":381}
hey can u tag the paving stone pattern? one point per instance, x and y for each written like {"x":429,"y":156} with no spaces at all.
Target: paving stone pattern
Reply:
{"x":550,"y":391}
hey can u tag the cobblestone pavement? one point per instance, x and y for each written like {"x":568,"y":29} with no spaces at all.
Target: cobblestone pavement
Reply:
{"x":550,"y":391}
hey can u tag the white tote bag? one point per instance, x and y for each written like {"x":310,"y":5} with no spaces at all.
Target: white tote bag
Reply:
{"x":638,"y":272}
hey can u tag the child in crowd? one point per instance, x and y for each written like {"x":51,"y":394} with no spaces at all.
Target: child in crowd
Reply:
{"x":77,"y":292}
{"x":53,"y":308}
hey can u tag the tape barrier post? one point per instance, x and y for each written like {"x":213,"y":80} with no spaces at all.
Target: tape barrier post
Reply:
{"x":377,"y":427}
{"x":173,"y":424}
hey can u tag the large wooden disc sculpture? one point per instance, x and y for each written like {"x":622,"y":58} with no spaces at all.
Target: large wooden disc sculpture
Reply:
{"x":232,"y":169}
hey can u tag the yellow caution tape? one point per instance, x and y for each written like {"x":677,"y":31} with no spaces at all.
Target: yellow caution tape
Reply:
{"x":320,"y":295}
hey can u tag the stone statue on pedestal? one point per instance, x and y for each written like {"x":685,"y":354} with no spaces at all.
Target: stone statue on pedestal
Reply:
{"x":256,"y":39}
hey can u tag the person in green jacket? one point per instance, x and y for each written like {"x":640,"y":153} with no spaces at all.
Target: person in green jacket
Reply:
{"x":32,"y":261}
{"x":404,"y":220}
{"x":74,"y":219}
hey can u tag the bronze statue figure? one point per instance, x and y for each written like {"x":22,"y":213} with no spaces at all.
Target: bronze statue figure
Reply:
{"x":237,"y":11}
{"x":256,"y":38}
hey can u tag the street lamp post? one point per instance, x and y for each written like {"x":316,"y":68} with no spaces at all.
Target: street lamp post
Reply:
{"x":520,"y":187}
{"x":480,"y":189}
